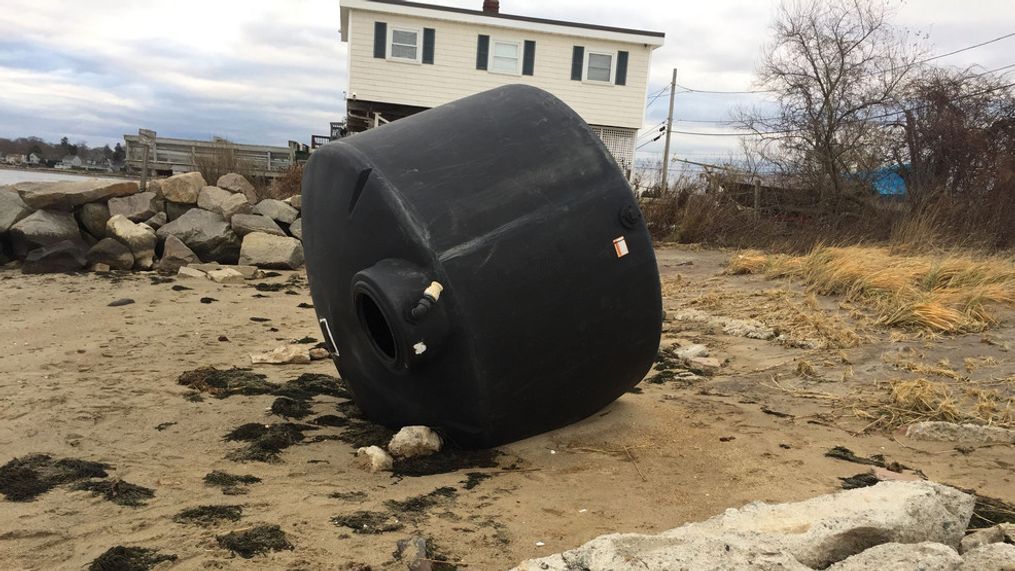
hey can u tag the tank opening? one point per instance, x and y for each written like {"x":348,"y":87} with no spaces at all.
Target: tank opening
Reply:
{"x":376,"y":326}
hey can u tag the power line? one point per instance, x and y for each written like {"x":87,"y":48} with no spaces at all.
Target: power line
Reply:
{"x":932,"y":58}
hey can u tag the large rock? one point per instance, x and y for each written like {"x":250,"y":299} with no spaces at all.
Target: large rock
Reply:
{"x":175,"y":255}
{"x":68,"y":194}
{"x":275,"y":252}
{"x":42,"y":228}
{"x":244,"y":224}
{"x":295,"y":201}
{"x":111,"y":252}
{"x":222,"y":202}
{"x":138,"y":237}
{"x":206,"y":233}
{"x":12,"y":209}
{"x":182,"y":188}
{"x":296,"y":229}
{"x":925,"y":556}
{"x":93,"y":217}
{"x":236,"y":183}
{"x":137,"y":208}
{"x":65,"y":256}
{"x":175,"y":210}
{"x":811,"y":534}
{"x":158,"y":220}
{"x":277,"y":210}
{"x":374,"y":459}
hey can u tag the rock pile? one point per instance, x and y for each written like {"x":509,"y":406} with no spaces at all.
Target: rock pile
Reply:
{"x":99,"y":224}
{"x":892,"y":525}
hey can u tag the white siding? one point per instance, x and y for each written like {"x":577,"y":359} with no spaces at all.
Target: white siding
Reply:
{"x":454,"y":75}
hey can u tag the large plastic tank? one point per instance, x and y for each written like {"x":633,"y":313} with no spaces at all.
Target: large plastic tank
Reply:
{"x":481,"y":268}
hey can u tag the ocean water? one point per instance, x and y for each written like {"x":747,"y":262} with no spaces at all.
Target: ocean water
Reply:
{"x":11,"y":176}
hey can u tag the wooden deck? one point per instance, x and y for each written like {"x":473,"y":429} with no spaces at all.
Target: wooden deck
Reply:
{"x":171,"y":156}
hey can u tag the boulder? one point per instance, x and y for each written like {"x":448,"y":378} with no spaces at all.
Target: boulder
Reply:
{"x":222,"y":202}
{"x":139,"y":238}
{"x":284,"y":355}
{"x":811,"y":534}
{"x":374,"y":459}
{"x":226,"y":276}
{"x":175,"y":254}
{"x":964,"y":433}
{"x":64,"y":256}
{"x":136,"y":207}
{"x":93,"y":217}
{"x":206,"y":233}
{"x":295,"y":201}
{"x":236,"y":183}
{"x":244,"y":224}
{"x":296,"y":229}
{"x":267,"y":251}
{"x":277,"y":210}
{"x":980,"y":537}
{"x":42,"y":228}
{"x":925,"y":556}
{"x":175,"y":210}
{"x":111,"y":252}
{"x":157,"y":221}
{"x":412,"y":441}
{"x":12,"y":209}
{"x":183,"y":188}
{"x":69,"y":194}
{"x":990,"y":557}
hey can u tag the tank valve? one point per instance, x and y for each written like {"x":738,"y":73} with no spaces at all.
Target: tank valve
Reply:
{"x":430,"y":296}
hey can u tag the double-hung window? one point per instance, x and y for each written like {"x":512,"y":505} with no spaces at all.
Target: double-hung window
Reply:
{"x":506,"y":57}
{"x":599,"y":66}
{"x":404,"y":44}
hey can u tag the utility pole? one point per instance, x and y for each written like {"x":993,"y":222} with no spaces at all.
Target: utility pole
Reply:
{"x":669,"y":128}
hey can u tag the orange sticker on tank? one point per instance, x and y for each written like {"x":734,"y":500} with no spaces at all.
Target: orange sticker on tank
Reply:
{"x":620,"y":246}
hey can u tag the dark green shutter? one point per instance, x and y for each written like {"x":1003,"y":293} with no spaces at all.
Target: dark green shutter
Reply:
{"x":577,"y":61}
{"x":380,"y":39}
{"x":482,"y":52}
{"x":621,"y":68}
{"x":429,"y":37}
{"x":529,"y":58}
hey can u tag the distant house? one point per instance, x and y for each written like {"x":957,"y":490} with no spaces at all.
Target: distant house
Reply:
{"x":34,"y":159}
{"x":71,"y":162}
{"x":14,"y":159}
{"x":406,"y":57}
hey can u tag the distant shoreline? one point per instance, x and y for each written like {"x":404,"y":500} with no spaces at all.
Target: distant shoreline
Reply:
{"x":66,"y":172}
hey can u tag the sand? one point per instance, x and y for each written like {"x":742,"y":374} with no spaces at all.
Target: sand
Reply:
{"x":79,"y":379}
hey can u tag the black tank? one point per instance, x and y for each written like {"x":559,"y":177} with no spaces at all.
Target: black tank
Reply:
{"x":481,"y":268}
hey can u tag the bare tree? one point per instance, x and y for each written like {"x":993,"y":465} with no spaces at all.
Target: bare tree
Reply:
{"x":834,"y":67}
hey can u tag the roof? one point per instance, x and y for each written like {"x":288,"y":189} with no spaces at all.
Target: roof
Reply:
{"x":501,"y":20}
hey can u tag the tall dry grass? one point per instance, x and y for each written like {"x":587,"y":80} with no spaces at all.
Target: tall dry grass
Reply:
{"x":940,"y":293}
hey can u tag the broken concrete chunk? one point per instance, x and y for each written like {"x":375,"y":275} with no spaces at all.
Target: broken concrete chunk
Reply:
{"x":374,"y":459}
{"x":68,"y":194}
{"x":691,"y":351}
{"x":990,"y":557}
{"x":226,"y":276}
{"x":982,"y":537}
{"x":191,"y":273}
{"x":925,"y":556}
{"x":284,"y":355}
{"x":965,"y":433}
{"x":412,"y":441}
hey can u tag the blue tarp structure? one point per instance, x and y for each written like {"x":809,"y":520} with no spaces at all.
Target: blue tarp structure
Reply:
{"x":888,"y":182}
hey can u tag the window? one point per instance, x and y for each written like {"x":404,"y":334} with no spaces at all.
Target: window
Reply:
{"x":404,"y":44}
{"x":599,"y":67}
{"x":506,"y":57}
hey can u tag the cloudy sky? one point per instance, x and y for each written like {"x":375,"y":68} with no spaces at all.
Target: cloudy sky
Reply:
{"x":261,"y":71}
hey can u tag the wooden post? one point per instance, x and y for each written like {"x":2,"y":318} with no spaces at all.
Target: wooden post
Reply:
{"x":145,"y":137}
{"x":669,"y":128}
{"x":144,"y":169}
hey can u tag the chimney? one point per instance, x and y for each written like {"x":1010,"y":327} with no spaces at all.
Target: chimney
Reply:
{"x":492,"y":6}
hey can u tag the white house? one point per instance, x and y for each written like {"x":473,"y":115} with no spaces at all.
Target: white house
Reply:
{"x":405,"y":57}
